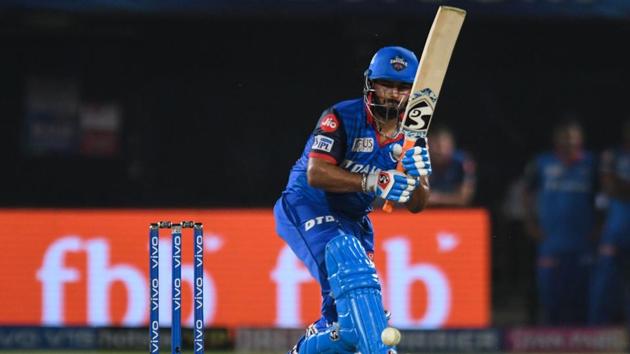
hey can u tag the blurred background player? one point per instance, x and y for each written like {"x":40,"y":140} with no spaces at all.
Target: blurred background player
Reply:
{"x":453,"y":177}
{"x":611,"y":278}
{"x":348,"y":161}
{"x":559,"y":203}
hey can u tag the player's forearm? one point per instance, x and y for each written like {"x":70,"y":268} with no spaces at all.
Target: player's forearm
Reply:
{"x":420,"y":196}
{"x":332,"y":178}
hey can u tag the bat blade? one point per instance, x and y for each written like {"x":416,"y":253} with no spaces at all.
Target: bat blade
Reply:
{"x":432,"y":69}
{"x":427,"y":83}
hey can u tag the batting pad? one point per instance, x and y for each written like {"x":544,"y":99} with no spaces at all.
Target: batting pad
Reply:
{"x":326,"y":342}
{"x":357,"y":293}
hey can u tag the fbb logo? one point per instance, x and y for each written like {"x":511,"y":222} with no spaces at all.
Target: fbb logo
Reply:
{"x":329,"y":123}
{"x":79,"y":268}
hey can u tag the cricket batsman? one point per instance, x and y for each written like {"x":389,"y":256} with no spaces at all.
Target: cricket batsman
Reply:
{"x":347,"y":162}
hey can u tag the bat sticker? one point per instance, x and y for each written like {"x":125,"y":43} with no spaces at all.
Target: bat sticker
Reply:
{"x":419,"y":115}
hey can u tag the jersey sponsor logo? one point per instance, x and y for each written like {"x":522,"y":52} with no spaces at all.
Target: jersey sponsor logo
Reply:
{"x":398,"y":63}
{"x":363,"y":145}
{"x":309,"y":224}
{"x":358,"y":167}
{"x":329,"y":123}
{"x":323,"y":143}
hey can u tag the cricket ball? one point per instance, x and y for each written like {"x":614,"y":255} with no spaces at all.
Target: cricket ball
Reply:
{"x":390,"y":336}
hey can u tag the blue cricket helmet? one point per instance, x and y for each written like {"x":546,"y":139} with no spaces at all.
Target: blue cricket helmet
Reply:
{"x":393,"y":63}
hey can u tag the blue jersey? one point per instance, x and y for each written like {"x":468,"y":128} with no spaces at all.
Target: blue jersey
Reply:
{"x":308,"y":218}
{"x":617,"y":228}
{"x":345,"y":136}
{"x":565,"y":201}
{"x":449,"y":178}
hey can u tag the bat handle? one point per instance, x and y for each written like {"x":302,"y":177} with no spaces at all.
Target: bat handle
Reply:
{"x":409,"y":142}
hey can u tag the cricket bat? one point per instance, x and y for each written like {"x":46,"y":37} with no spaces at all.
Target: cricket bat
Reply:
{"x":429,"y":77}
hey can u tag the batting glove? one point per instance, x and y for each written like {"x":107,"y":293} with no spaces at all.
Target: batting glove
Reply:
{"x":416,"y":161}
{"x":391,"y":185}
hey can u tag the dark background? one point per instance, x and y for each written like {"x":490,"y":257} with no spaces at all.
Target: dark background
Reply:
{"x":216,"y":108}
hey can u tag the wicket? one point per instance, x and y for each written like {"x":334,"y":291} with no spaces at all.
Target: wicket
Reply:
{"x":176,"y":298}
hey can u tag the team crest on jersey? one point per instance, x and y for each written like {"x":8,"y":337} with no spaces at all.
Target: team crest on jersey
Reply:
{"x":363,"y":145}
{"x":398,"y":63}
{"x":329,"y":123}
{"x":322,"y":143}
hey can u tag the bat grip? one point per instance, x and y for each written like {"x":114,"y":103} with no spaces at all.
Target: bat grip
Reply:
{"x":409,"y":142}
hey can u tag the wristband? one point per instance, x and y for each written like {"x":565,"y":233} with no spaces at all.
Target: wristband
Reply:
{"x":364,"y":178}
